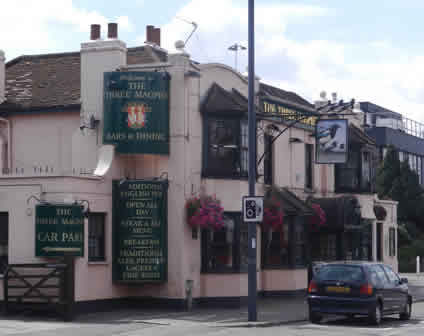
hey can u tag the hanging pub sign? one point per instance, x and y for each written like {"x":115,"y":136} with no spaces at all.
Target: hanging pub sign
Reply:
{"x":59,"y":230}
{"x":275,"y":109}
{"x":136,"y":112}
{"x":331,"y":141}
{"x":140,"y":231}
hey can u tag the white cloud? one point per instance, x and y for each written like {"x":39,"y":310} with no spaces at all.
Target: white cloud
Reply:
{"x":27,"y":27}
{"x":379,"y":71}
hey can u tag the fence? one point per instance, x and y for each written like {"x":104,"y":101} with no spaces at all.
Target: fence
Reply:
{"x":40,"y":287}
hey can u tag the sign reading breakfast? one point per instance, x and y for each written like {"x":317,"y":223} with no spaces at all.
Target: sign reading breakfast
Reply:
{"x":140,"y":231}
{"x":136,"y":112}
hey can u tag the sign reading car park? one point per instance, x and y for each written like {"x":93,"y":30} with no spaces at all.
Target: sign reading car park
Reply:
{"x":253,"y":208}
{"x":59,"y":230}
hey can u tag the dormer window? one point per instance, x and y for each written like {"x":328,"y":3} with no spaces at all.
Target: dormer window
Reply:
{"x":225,"y":138}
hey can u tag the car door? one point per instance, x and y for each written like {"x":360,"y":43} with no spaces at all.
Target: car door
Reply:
{"x":388,"y":294}
{"x":400,"y":290}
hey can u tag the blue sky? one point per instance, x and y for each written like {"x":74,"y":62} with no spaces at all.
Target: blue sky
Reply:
{"x":367,"y":50}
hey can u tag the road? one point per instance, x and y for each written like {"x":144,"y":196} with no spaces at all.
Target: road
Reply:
{"x":179,"y":324}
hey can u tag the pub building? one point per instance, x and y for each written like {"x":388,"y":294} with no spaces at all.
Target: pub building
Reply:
{"x":133,"y":162}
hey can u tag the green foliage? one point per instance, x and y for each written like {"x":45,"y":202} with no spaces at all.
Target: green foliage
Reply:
{"x":387,"y":172}
{"x":396,"y":181}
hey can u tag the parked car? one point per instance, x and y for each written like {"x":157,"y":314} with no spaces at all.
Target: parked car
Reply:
{"x":358,"y":288}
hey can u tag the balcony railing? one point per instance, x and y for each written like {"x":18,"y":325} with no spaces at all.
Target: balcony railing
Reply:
{"x":406,"y":125}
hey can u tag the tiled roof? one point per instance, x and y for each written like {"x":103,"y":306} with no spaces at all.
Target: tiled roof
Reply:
{"x":288,"y":96}
{"x":52,"y":80}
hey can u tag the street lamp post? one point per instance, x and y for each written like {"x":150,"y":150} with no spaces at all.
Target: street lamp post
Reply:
{"x":252,"y":312}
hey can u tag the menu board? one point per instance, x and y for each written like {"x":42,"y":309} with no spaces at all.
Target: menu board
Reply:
{"x":140,"y":231}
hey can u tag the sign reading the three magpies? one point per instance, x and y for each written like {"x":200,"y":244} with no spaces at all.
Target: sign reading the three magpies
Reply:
{"x":331,"y":140}
{"x":136,"y":112}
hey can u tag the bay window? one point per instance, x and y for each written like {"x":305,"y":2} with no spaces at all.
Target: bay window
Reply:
{"x":225,"y":147}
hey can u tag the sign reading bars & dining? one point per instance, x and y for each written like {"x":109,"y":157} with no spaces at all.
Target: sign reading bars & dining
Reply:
{"x":136,"y":112}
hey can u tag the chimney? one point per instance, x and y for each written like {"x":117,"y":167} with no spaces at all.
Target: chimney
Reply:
{"x":153,"y":35}
{"x":112,"y":30}
{"x":149,"y":33}
{"x":2,"y":77}
{"x":95,"y":32}
{"x":334,"y":97}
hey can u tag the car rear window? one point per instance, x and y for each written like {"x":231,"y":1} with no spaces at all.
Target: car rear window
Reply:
{"x":346,"y":273}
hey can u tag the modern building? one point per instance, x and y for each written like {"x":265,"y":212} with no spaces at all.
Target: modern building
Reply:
{"x":389,"y":128}
{"x":128,"y":137}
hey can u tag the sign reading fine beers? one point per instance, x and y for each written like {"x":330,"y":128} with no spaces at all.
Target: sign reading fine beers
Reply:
{"x":59,"y":230}
{"x":140,"y":231}
{"x":136,"y":112}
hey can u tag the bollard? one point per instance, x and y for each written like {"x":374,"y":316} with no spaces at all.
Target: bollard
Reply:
{"x":189,"y":294}
{"x":418,"y":265}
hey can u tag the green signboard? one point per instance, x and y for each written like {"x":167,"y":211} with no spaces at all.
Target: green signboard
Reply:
{"x":136,"y":111}
{"x":59,"y":230}
{"x":140,"y":231}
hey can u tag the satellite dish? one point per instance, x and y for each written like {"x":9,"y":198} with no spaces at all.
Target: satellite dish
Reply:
{"x":106,"y":154}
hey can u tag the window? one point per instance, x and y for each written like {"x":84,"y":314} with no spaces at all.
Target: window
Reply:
{"x":356,"y":174}
{"x":309,"y":166}
{"x":285,"y":247}
{"x":225,"y":250}
{"x":226,"y":148}
{"x":378,"y":277}
{"x":393,"y":278}
{"x":96,"y":237}
{"x":268,"y":159}
{"x":419,"y":169}
{"x":392,"y":242}
{"x":4,"y":241}
{"x":366,"y":171}
{"x":401,"y":156}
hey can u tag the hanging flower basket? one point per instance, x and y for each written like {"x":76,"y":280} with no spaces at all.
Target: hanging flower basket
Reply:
{"x":273,"y":215}
{"x":319,"y":218}
{"x":204,"y":212}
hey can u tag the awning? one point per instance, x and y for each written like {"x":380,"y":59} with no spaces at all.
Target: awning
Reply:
{"x":291,"y":204}
{"x":219,"y":101}
{"x":341,"y":212}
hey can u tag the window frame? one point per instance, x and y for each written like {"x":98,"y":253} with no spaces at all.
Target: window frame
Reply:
{"x":5,"y":262}
{"x":392,"y":242}
{"x":242,"y":149}
{"x":237,"y":266}
{"x":309,"y":166}
{"x":103,"y":216}
{"x":268,"y":159}
{"x":359,"y":151}
{"x":292,"y":244}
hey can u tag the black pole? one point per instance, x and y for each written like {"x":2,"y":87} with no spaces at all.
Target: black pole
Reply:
{"x":252,"y":313}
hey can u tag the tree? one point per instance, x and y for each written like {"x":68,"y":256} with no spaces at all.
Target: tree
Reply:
{"x":397,"y":181}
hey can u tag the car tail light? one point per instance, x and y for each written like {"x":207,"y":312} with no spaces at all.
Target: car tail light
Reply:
{"x":366,"y":289}
{"x":313,"y":288}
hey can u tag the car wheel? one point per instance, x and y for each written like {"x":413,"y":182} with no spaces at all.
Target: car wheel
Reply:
{"x":376,"y":315}
{"x":314,"y":317}
{"x":406,"y":313}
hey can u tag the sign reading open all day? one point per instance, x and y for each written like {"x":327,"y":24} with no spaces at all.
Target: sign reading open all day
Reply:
{"x":59,"y":230}
{"x":136,"y":111}
{"x":140,"y":231}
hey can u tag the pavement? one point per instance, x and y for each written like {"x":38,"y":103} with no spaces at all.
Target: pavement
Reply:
{"x":272,"y":311}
